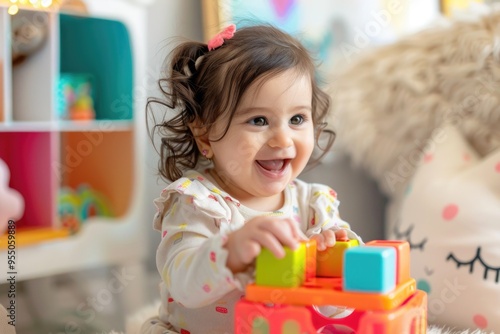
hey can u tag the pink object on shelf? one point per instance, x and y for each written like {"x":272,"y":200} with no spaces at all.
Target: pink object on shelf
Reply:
{"x":11,"y":201}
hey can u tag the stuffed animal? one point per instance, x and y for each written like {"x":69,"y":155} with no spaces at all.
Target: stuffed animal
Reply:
{"x":422,"y":117}
{"x":29,"y":34}
{"x":11,"y":201}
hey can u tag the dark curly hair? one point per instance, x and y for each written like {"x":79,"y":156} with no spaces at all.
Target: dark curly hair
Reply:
{"x":207,"y":86}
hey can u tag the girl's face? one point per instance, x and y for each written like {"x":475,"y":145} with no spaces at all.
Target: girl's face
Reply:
{"x":269,"y":140}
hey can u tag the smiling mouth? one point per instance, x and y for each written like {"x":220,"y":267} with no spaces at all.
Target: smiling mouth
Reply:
{"x":274,"y":166}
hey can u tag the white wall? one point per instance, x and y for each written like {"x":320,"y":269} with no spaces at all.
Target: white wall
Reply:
{"x":168,"y":19}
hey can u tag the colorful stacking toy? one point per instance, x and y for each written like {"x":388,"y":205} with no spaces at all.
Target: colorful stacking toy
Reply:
{"x":372,"y":281}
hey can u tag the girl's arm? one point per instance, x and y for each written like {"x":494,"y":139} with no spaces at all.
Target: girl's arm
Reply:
{"x":326,"y":226}
{"x":191,"y":258}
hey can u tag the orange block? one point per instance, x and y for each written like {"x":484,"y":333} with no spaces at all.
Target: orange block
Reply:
{"x":330,"y":261}
{"x":310,"y":259}
{"x":402,"y":257}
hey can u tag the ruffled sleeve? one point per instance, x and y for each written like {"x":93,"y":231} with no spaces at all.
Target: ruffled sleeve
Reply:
{"x":196,"y":195}
{"x":191,"y":257}
{"x":324,"y":214}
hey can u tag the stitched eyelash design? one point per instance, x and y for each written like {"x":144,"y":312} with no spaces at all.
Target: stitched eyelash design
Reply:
{"x":470,"y":263}
{"x":407,"y":236}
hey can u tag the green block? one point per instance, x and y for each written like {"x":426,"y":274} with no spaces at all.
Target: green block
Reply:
{"x":290,"y":271}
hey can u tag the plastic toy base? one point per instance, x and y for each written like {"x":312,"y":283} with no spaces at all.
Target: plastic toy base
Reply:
{"x":257,"y":318}
{"x":328,"y":291}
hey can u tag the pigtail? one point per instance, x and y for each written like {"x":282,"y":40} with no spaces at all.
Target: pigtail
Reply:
{"x":324,"y":136}
{"x":178,"y":149}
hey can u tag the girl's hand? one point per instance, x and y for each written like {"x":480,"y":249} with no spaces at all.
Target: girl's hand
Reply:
{"x":272,"y":233}
{"x":328,"y":238}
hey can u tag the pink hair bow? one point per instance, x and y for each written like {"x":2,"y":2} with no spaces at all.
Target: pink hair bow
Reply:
{"x":218,"y":39}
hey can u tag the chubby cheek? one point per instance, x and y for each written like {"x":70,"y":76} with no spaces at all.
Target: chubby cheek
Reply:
{"x":236,"y":159}
{"x":304,"y":151}
{"x":246,"y":149}
{"x":230,"y":165}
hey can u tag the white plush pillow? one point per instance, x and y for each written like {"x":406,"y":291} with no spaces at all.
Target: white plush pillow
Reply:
{"x":450,"y":214}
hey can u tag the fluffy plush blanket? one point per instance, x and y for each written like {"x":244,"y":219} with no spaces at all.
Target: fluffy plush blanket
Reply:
{"x":388,"y":101}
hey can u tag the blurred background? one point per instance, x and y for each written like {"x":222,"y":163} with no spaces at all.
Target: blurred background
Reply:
{"x":78,"y":172}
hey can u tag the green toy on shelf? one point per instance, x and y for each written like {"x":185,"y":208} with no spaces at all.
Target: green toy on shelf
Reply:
{"x":75,"y":96}
{"x":76,"y":206}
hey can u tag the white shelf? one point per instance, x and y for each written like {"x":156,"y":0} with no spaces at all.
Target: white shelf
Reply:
{"x":99,"y":242}
{"x":68,"y":126}
{"x":41,"y":145}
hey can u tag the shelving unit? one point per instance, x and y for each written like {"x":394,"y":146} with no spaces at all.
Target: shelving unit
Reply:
{"x":48,"y":154}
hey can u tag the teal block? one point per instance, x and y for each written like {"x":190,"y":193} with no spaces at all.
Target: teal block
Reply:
{"x":370,"y":269}
{"x":290,"y":271}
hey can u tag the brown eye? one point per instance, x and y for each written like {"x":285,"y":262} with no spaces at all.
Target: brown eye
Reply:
{"x":258,"y":121}
{"x":297,"y":120}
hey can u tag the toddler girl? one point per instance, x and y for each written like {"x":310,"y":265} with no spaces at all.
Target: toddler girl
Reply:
{"x":248,"y":106}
